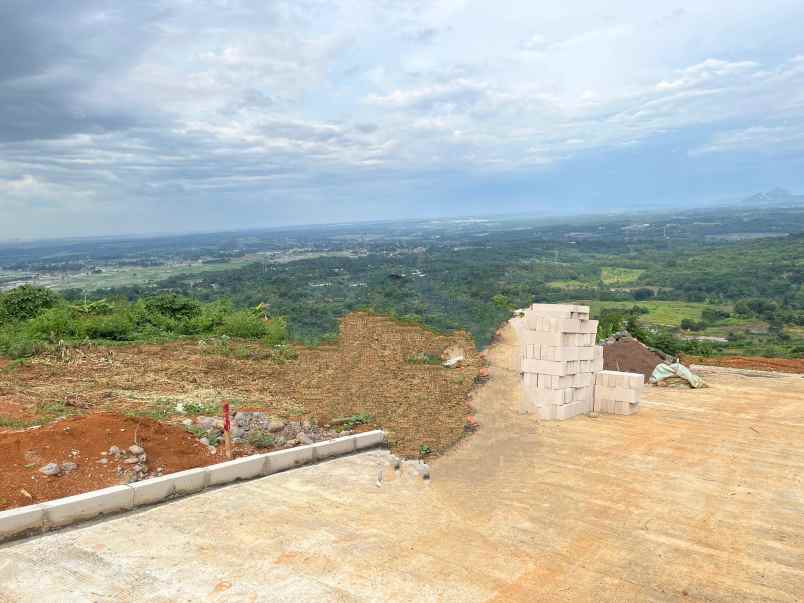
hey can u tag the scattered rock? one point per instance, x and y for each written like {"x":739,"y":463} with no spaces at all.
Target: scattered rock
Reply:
{"x":454,"y":362}
{"x":143,"y":457}
{"x":276,"y":425}
{"x":204,"y":441}
{"x":416,"y":470}
{"x":114,"y":451}
{"x":50,"y":469}
{"x":136,"y":450}
{"x":103,"y":461}
{"x":305,"y":439}
{"x":69,"y":466}
{"x":132,"y":460}
{"x":187,"y":422}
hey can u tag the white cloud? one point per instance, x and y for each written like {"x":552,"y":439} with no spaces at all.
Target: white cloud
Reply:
{"x":177,"y":97}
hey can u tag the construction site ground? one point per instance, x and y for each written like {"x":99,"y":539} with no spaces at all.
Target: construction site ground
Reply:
{"x":380,"y":371}
{"x":698,"y":497}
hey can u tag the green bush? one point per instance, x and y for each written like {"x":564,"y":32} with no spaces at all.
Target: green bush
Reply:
{"x":26,"y":302}
{"x":15,"y":342}
{"x":57,"y":323}
{"x":243,"y":324}
{"x":173,"y":306}
{"x":276,"y":331}
{"x":117,"y":327}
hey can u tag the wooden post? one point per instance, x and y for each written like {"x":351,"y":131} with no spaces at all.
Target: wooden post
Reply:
{"x":227,"y":426}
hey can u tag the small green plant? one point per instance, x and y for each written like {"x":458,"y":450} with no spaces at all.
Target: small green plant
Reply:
{"x":282,"y":353}
{"x":260,"y":439}
{"x":199,"y":408}
{"x":158,"y":411}
{"x":422,"y":358}
{"x":12,"y":423}
{"x":424,"y":450}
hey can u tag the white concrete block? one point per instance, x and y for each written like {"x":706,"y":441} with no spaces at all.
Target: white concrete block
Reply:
{"x":190,"y":480}
{"x":369,"y":439}
{"x":586,"y":352}
{"x":547,"y":367}
{"x":583,"y":380}
{"x":71,"y":509}
{"x":243,"y":468}
{"x":567,"y":411}
{"x":287,"y":459}
{"x":548,"y":396}
{"x":332,"y":448}
{"x":153,"y":490}
{"x":549,"y":339}
{"x":582,"y":394}
{"x":560,"y":310}
{"x":24,"y":520}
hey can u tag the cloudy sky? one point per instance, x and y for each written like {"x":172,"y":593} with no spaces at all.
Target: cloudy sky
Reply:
{"x":182,"y":115}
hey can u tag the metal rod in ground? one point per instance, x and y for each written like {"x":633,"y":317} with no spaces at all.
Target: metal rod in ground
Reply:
{"x":227,"y":425}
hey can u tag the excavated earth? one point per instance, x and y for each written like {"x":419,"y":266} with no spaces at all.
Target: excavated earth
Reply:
{"x":369,"y":372}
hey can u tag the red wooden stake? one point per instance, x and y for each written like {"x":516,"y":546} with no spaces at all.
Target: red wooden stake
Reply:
{"x":227,"y":425}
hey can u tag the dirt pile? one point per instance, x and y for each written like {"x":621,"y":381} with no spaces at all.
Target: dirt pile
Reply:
{"x":630,"y":356}
{"x":369,"y":372}
{"x":81,"y":441}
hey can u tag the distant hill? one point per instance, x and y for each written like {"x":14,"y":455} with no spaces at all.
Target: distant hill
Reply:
{"x":778,"y":197}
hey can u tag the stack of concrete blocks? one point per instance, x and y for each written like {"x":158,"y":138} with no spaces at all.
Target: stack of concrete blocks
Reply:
{"x":618,"y":393}
{"x":559,"y":360}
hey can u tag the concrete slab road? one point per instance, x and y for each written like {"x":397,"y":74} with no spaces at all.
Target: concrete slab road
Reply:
{"x":699,"y":497}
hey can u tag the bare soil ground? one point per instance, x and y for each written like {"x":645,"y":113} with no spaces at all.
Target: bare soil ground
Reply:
{"x":368,"y":372}
{"x":756,"y":363}
{"x":81,"y":440}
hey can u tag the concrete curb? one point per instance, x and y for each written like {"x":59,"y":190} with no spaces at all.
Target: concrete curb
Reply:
{"x":42,"y":517}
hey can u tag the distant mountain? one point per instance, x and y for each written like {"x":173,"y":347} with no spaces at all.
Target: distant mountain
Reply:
{"x":778,"y":197}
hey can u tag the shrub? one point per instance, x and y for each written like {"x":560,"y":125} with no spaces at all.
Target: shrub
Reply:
{"x":243,"y":324}
{"x":15,"y":342}
{"x":276,"y":331}
{"x":57,"y":323}
{"x":26,"y":302}
{"x":117,"y":327}
{"x":173,"y":306}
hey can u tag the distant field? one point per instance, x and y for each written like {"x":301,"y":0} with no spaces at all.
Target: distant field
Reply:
{"x":568,"y":285}
{"x":609,"y":276}
{"x":619,"y":276}
{"x":660,"y":313}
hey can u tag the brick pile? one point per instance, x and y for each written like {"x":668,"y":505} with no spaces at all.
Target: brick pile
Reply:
{"x":559,"y":360}
{"x":618,"y":393}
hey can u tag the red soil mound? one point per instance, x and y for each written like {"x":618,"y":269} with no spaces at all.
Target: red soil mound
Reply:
{"x":630,"y":356}
{"x":81,"y":440}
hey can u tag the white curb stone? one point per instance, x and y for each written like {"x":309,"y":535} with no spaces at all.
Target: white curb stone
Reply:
{"x":71,"y":509}
{"x":150,"y":491}
{"x":190,"y":481}
{"x":369,"y":439}
{"x":336,"y":447}
{"x":244,"y":468}
{"x":290,"y":458}
{"x":15,"y":522}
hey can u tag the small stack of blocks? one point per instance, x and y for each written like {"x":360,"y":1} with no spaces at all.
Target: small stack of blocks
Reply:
{"x":618,"y":393}
{"x":559,"y":360}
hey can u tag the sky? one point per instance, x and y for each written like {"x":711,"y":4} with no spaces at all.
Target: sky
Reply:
{"x":187,"y":115}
